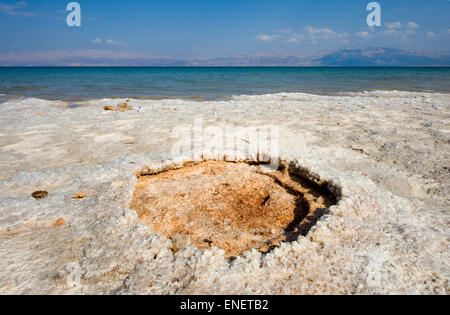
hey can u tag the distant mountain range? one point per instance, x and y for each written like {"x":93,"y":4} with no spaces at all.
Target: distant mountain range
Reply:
{"x":345,"y":57}
{"x":382,"y":57}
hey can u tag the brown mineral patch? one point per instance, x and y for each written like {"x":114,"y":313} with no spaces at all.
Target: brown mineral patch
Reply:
{"x":34,"y":225}
{"x":232,"y":206}
{"x":125,"y":109}
{"x":80,"y":195}
{"x":60,"y":222}
{"x":122,"y":107}
{"x":109,"y":108}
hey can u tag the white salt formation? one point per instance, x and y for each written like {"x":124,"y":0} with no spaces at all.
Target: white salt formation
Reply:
{"x":385,"y":155}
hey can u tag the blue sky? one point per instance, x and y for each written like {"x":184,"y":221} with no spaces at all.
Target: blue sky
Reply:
{"x":213,"y":28}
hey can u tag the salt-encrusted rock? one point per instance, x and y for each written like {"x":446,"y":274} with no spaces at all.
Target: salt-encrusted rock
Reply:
{"x":79,"y":195}
{"x":39,"y":194}
{"x":60,"y":222}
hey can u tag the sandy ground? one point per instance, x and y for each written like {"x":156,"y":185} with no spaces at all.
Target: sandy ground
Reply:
{"x":387,"y":152}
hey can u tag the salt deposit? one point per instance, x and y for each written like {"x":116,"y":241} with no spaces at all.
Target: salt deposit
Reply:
{"x":383,"y":154}
{"x":232,"y":206}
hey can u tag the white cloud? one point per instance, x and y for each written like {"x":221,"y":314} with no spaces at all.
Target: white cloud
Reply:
{"x":364,"y":35}
{"x":324,"y":32}
{"x":293,"y":38}
{"x":108,"y":41}
{"x":413,"y":25}
{"x":394,"y":25}
{"x":392,"y":32}
{"x":288,"y":36}
{"x":430,"y":35}
{"x":266,"y":38}
{"x":16,"y":9}
{"x":316,"y":31}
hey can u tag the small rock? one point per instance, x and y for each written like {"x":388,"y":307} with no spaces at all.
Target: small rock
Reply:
{"x":39,"y":194}
{"x":60,"y":222}
{"x":128,"y":100}
{"x":109,"y":108}
{"x":79,"y":195}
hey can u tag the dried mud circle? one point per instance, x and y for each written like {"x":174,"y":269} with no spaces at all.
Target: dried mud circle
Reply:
{"x":233,"y":206}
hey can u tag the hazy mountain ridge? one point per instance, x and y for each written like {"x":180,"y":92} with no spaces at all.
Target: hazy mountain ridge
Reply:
{"x":255,"y":61}
{"x":383,"y":57}
{"x":344,"y":57}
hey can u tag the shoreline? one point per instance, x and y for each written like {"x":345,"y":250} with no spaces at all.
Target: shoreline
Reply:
{"x":222,"y":98}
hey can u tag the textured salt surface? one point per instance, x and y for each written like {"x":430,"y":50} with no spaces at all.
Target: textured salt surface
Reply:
{"x":386,"y":152}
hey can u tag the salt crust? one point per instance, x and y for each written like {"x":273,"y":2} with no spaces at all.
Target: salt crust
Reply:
{"x":387,"y":234}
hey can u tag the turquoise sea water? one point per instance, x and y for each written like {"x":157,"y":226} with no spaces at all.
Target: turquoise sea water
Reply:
{"x":213,"y":82}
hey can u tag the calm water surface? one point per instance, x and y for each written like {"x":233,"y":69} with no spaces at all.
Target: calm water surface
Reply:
{"x":212,"y":82}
